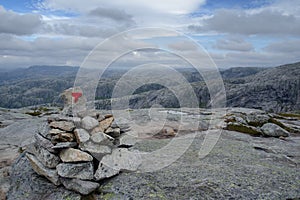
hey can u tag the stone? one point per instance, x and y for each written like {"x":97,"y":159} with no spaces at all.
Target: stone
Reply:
{"x":40,"y":169}
{"x":89,"y":123}
{"x":127,"y":140}
{"x":108,"y":116}
{"x":63,"y":125}
{"x":47,"y":144}
{"x":74,"y":155}
{"x":124,"y":127}
{"x":75,"y":120}
{"x":101,"y":138}
{"x":97,"y":150}
{"x":255,"y":119}
{"x":55,"y":131}
{"x":103,"y":125}
{"x":113,"y":132}
{"x":273,"y":130}
{"x":166,"y":132}
{"x":81,"y":135}
{"x":84,"y":171}
{"x":64,"y":145}
{"x":74,"y":101}
{"x":120,"y":160}
{"x":44,"y":129}
{"x":251,"y":130}
{"x":83,"y":187}
{"x":63,"y":137}
{"x":48,"y":159}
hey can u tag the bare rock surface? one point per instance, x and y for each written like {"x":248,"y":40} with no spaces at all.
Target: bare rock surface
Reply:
{"x":83,"y":187}
{"x":84,"y":171}
{"x":240,"y":166}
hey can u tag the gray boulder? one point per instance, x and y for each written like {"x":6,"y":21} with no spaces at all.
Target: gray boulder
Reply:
{"x":84,"y":171}
{"x":63,"y":125}
{"x":89,"y":123}
{"x":273,"y":130}
{"x":48,"y":159}
{"x":83,"y":187}
{"x":40,"y":169}
{"x":74,"y":155}
{"x":120,"y":160}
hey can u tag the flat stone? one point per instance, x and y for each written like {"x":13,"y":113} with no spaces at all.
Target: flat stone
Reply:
{"x":74,"y":155}
{"x":255,"y":119}
{"x":97,"y":150}
{"x":83,"y":187}
{"x":39,"y":168}
{"x":64,"y":145}
{"x":84,"y":171}
{"x":47,"y":144}
{"x":103,"y":125}
{"x":55,"y":131}
{"x":89,"y":123}
{"x":63,"y":137}
{"x":120,"y":160}
{"x":44,"y":129}
{"x":81,"y":135}
{"x":75,"y":120}
{"x":48,"y":159}
{"x":63,"y":125}
{"x":101,"y":138}
{"x":127,"y":140}
{"x":113,"y":132}
{"x":273,"y":130}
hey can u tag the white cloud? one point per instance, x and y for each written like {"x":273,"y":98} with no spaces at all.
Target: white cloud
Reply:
{"x":234,"y":43}
{"x":18,"y":24}
{"x":137,"y":6}
{"x":250,"y":23}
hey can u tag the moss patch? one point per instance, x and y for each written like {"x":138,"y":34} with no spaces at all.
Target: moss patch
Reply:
{"x":290,"y":115}
{"x":243,"y":129}
{"x":34,"y":113}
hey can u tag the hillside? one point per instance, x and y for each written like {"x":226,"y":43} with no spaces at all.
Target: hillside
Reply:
{"x":272,"y":89}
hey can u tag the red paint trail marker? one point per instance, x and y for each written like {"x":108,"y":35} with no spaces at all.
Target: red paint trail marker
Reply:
{"x":76,"y":96}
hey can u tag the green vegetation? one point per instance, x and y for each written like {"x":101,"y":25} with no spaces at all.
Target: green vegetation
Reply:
{"x":293,"y":115}
{"x":243,"y":129}
{"x":34,"y":113}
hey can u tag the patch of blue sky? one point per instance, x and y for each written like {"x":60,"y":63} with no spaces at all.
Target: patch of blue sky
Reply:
{"x":212,"y":5}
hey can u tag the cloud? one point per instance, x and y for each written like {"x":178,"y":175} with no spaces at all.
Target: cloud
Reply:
{"x":18,"y":24}
{"x":233,"y":43}
{"x":183,"y":46}
{"x":156,"y":6}
{"x":268,"y":21}
{"x":114,"y":14}
{"x":287,"y":46}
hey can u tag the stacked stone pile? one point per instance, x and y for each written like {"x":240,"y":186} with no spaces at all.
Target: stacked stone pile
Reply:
{"x":78,"y":152}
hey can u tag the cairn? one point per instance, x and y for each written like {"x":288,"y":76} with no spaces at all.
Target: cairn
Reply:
{"x":78,"y":152}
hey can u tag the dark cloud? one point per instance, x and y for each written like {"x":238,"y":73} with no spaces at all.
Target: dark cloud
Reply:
{"x":18,"y":24}
{"x":242,"y":22}
{"x":113,"y":14}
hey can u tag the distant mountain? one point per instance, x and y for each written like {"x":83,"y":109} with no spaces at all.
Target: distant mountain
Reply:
{"x":273,"y":89}
{"x":36,"y":72}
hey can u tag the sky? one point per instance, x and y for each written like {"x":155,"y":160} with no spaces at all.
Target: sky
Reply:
{"x":235,"y":33}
